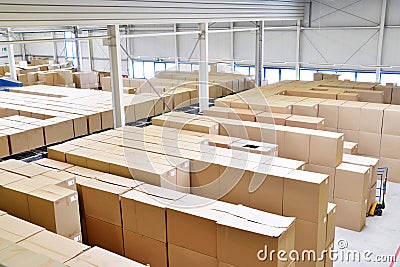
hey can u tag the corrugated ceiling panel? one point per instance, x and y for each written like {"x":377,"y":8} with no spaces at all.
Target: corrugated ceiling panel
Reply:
{"x":22,"y":13}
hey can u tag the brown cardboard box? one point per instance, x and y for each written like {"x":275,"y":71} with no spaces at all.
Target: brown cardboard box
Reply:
{"x":305,"y":122}
{"x":328,"y":257}
{"x":240,"y":235}
{"x":15,"y":230}
{"x":296,"y":138}
{"x":269,"y":196}
{"x":193,"y":210}
{"x":18,"y":193}
{"x":102,"y":201}
{"x":372,"y":117}
{"x":15,"y":255}
{"x":351,"y":182}
{"x":326,"y":148}
{"x":4,"y":146}
{"x":325,"y":170}
{"x":5,"y":179}
{"x":100,"y":257}
{"x":182,"y":257}
{"x":390,"y":119}
{"x":145,"y":250}
{"x":350,"y":115}
{"x":31,"y":170}
{"x":65,"y":179}
{"x":220,"y":112}
{"x":272,"y":118}
{"x":223,"y":264}
{"x":314,"y":191}
{"x":330,"y":224}
{"x":394,"y":170}
{"x":307,"y":107}
{"x":54,"y":246}
{"x":390,"y":146}
{"x":105,"y":235}
{"x":310,"y":235}
{"x":144,"y":212}
{"x":372,"y":163}
{"x":351,"y":215}
{"x":350,"y":148}
{"x":56,"y":209}
{"x":350,"y":135}
{"x":369,"y":144}
{"x":12,"y":164}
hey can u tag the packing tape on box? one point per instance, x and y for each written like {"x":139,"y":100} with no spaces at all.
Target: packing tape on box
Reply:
{"x":71,"y":183}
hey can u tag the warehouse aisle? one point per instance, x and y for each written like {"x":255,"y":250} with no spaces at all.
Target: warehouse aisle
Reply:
{"x":381,"y":235}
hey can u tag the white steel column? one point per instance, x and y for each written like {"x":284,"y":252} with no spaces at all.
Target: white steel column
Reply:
{"x":259,"y":62}
{"x":11,"y":58}
{"x":116,"y":75}
{"x":78,"y":49}
{"x":55,"y":52}
{"x":203,"y":68}
{"x":232,"y":43}
{"x":176,"y":46}
{"x":23,"y":48}
{"x":380,"y":44}
{"x":129,"y":62}
{"x":298,"y":50}
{"x":91,"y":52}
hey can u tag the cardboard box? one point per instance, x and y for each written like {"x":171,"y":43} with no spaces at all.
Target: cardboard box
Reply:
{"x":326,"y":148}
{"x":296,"y":138}
{"x":314,"y":189}
{"x":54,"y":246}
{"x":5,"y":179}
{"x":394,"y":170}
{"x":331,"y":223}
{"x":100,"y":257}
{"x":239,"y":236}
{"x":269,"y":196}
{"x":306,"y":122}
{"x":369,"y":144}
{"x":351,"y":215}
{"x":144,"y":212}
{"x":145,"y":250}
{"x":371,"y":163}
{"x":56,"y":209}
{"x":182,"y":257}
{"x":350,"y":148}
{"x":350,"y":135}
{"x":371,"y":197}
{"x":15,"y":255}
{"x":390,"y":119}
{"x":272,"y":118}
{"x":350,"y":115}
{"x":390,"y":146}
{"x":102,"y":201}
{"x":105,"y":235}
{"x":308,"y":107}
{"x":351,"y":182}
{"x":15,"y":230}
{"x":372,"y":117}
{"x":310,"y":235}
{"x":18,"y":193}
{"x":64,"y":179}
{"x":324,"y":170}
{"x":31,"y":170}
{"x":4,"y":146}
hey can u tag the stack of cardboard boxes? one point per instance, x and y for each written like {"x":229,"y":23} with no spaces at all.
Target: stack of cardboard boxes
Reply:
{"x":86,"y":80}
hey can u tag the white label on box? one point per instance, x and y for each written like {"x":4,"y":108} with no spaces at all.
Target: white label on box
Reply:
{"x":334,"y":210}
{"x":186,"y":164}
{"x":73,"y":198}
{"x":77,"y":238}
{"x":325,"y":220}
{"x":216,"y":127}
{"x":71,"y":183}
{"x":327,"y":181}
{"x":173,"y":173}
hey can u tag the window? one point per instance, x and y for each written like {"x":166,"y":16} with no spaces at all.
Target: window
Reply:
{"x":159,"y":66}
{"x":138,"y":69}
{"x":253,"y":72}
{"x":195,"y":67}
{"x":390,"y":78}
{"x":288,"y":74}
{"x":185,"y":67}
{"x":347,"y":75}
{"x":272,"y":75}
{"x":70,"y":48}
{"x":242,"y":70}
{"x":307,"y":75}
{"x":170,"y":66}
{"x":148,"y":70}
{"x":366,"y":77}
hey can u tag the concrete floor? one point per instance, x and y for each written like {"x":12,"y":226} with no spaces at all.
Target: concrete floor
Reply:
{"x":381,"y":235}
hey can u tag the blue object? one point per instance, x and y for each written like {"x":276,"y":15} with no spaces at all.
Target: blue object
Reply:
{"x":10,"y":83}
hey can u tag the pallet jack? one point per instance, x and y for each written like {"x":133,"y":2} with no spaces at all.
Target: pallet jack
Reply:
{"x":378,"y":207}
